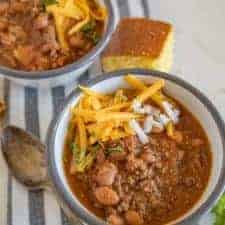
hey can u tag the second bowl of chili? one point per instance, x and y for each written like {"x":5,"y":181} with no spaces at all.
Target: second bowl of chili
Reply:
{"x":41,"y":41}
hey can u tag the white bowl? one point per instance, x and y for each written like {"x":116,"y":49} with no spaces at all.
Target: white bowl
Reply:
{"x":189,"y":96}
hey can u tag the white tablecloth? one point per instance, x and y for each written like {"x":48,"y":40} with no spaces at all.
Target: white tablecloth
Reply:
{"x":199,"y":58}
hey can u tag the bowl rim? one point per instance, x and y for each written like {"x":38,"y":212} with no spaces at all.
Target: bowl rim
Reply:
{"x":85,"y":214}
{"x":86,"y":59}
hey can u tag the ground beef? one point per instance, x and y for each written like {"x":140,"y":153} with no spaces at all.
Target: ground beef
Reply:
{"x":148,"y":185}
{"x":28,"y":38}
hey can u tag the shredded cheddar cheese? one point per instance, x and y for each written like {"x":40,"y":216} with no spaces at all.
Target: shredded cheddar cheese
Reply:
{"x":80,"y":12}
{"x":100,"y":117}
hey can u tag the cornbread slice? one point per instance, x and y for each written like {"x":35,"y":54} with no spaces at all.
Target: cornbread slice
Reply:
{"x":140,"y":43}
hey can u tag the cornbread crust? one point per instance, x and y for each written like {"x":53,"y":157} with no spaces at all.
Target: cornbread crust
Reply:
{"x":138,"y":37}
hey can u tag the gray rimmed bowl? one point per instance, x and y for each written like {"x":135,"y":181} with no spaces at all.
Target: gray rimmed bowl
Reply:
{"x":189,"y":96}
{"x":70,"y":72}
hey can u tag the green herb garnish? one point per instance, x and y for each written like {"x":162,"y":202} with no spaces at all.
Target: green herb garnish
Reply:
{"x":73,"y":147}
{"x":83,"y":159}
{"x":89,"y":27}
{"x":95,"y":37}
{"x":49,"y":2}
{"x":89,"y":31}
{"x":112,"y":150}
{"x":78,"y":153}
{"x":95,"y":147}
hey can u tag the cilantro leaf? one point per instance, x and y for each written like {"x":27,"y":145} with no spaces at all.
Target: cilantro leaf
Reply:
{"x":112,"y":150}
{"x":89,"y":31}
{"x":89,"y":27}
{"x":49,"y":2}
{"x":83,"y":159}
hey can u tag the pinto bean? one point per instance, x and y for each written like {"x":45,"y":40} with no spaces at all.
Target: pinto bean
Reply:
{"x":177,"y":137}
{"x":180,"y":155}
{"x":100,"y":157}
{"x":25,"y":54}
{"x":7,"y":39}
{"x":77,"y":41}
{"x":17,"y":7}
{"x":189,"y":181}
{"x":157,"y":130}
{"x":8,"y":59}
{"x":148,"y":157}
{"x":115,"y":220}
{"x":17,"y":32}
{"x":50,"y":44}
{"x":133,"y":218}
{"x":41,"y":21}
{"x":106,"y":196}
{"x":49,"y":35}
{"x":197,"y":142}
{"x":3,"y":24}
{"x":106,"y":174}
{"x":4,"y":6}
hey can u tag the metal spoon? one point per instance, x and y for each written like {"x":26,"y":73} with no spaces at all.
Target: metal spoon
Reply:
{"x":25,"y":156}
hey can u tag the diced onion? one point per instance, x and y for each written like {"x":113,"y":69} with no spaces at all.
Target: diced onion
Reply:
{"x":169,"y":111}
{"x":136,"y":106}
{"x":164,"y":119}
{"x":154,"y":111}
{"x":177,"y":114}
{"x":148,"y":124}
{"x":157,"y":124}
{"x":141,"y":111}
{"x":139,"y":131}
{"x":146,"y":109}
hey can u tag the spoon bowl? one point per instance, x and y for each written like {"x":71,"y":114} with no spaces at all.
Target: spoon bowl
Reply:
{"x":25,"y":156}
